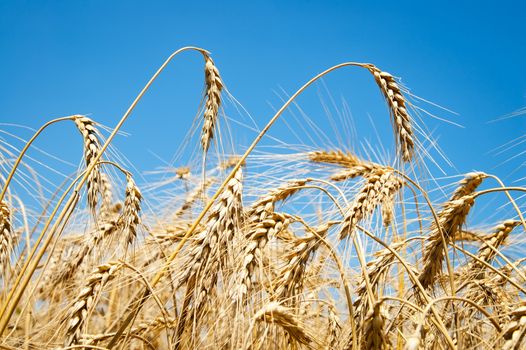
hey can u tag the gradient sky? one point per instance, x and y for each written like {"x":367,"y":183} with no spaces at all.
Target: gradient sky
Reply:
{"x":93,"y":57}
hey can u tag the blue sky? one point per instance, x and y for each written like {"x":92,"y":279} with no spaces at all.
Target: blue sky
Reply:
{"x":92,"y":57}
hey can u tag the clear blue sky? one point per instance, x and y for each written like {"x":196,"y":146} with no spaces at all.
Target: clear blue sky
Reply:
{"x":92,"y":57}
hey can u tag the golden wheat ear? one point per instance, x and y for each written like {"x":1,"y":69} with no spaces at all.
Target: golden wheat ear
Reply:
{"x":132,"y":207}
{"x":7,"y":237}
{"x":397,"y":103}
{"x":89,"y":133}
{"x":214,"y":85}
{"x":85,"y":301}
{"x":283,"y":317}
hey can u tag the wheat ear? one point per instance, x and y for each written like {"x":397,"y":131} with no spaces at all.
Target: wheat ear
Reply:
{"x":271,"y":225}
{"x":486,"y":251}
{"x":85,"y":301}
{"x":374,"y":333}
{"x":214,"y":85}
{"x":7,"y":237}
{"x":291,"y":277}
{"x":67,"y":271}
{"x":86,"y":126}
{"x":515,"y":330}
{"x":132,"y":208}
{"x":450,"y":220}
{"x":379,"y":189}
{"x":401,"y":118}
{"x":275,"y":313}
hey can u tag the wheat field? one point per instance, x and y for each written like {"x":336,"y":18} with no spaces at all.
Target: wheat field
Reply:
{"x":316,"y":249}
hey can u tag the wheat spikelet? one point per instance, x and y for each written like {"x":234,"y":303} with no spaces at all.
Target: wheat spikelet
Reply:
{"x":222,"y":225}
{"x":362,"y":169}
{"x":7,"y":237}
{"x":89,"y":133}
{"x":275,"y":313}
{"x":450,"y":221}
{"x":401,"y":118}
{"x":379,"y":189}
{"x":488,"y":292}
{"x":467,"y":236}
{"x":214,"y":85}
{"x":263,"y":223}
{"x":219,"y":229}
{"x":132,"y":206}
{"x":265,"y":204}
{"x":85,"y":300}
{"x":230,"y":162}
{"x":144,"y":327}
{"x":210,"y":250}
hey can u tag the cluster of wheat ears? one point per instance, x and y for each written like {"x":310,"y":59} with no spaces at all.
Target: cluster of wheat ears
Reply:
{"x":354,"y":255}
